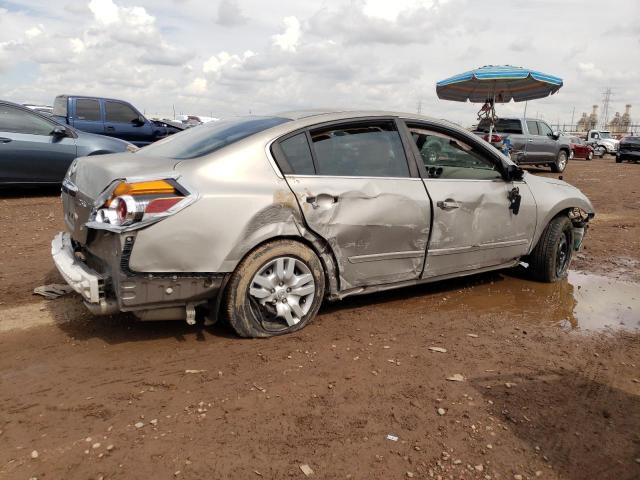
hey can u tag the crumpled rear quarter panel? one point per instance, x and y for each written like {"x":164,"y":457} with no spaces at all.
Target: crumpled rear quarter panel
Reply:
{"x":242,"y":203}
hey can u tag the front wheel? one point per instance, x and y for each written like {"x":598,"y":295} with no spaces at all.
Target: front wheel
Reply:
{"x":550,"y":259}
{"x":561,"y":162}
{"x":600,"y":150}
{"x":618,"y":159}
{"x":590,"y":156}
{"x":276,"y":289}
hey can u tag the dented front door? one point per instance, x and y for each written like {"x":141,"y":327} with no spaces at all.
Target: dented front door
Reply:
{"x":474,"y":228}
{"x":377,"y":227}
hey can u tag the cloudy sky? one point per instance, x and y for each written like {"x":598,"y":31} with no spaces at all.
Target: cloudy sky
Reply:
{"x":227,"y":57}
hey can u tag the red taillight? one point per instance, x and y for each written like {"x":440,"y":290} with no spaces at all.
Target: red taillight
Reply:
{"x":160,"y":205}
{"x":495,"y":138}
{"x":121,"y":210}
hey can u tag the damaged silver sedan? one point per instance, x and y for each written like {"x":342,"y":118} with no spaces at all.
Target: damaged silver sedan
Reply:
{"x":260,"y":219}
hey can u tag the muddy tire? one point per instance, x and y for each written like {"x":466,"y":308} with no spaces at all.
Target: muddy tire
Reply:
{"x":561,"y":162}
{"x":590,"y":156}
{"x":550,"y":259}
{"x":618,"y":159}
{"x":276,"y":289}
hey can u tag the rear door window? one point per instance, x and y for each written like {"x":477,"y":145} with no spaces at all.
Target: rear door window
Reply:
{"x":88,"y":109}
{"x":532,"y":126}
{"x":117,"y":112}
{"x":364,"y":149}
{"x":297,"y":154}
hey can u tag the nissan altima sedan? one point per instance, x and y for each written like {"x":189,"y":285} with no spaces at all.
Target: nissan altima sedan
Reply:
{"x":261,"y":219}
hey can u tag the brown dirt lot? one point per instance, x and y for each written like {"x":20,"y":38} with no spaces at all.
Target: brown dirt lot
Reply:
{"x":540,"y":397}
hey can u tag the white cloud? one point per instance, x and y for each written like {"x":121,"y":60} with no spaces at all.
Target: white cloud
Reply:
{"x":289,"y":39}
{"x":327,"y":53}
{"x":589,"y":70}
{"x":104,"y":11}
{"x":230,"y":14}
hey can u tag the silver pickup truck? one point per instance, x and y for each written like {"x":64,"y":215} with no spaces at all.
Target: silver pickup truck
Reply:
{"x":533,"y":142}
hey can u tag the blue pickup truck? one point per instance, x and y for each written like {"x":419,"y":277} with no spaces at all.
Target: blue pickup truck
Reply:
{"x":111,"y":117}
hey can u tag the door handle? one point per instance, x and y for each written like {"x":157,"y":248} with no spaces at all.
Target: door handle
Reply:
{"x":4,"y":140}
{"x":110,"y":129}
{"x":530,"y":140}
{"x":448,"y":204}
{"x":323,"y":199}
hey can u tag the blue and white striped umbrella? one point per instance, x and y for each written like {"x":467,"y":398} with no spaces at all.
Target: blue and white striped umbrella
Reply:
{"x":502,"y":83}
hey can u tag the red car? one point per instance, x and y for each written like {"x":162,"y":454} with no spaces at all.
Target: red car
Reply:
{"x":580,"y":149}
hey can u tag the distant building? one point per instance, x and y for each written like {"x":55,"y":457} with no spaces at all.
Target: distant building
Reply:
{"x":620,"y":123}
{"x":587,"y":123}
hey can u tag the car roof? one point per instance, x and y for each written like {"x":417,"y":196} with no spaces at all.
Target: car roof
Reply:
{"x":94,"y":97}
{"x":321,"y":116}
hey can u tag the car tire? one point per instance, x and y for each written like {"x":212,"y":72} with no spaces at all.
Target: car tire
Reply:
{"x":561,"y":162}
{"x":590,"y":156}
{"x":550,"y":259}
{"x":600,"y":151}
{"x":261,"y":298}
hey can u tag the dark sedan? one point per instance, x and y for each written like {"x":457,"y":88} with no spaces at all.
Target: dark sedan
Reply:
{"x":629,"y":149}
{"x":35,"y":149}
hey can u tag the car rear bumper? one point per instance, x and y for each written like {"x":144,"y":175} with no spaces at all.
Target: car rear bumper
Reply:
{"x":100,"y":273}
{"x":629,"y":154}
{"x":84,"y":280}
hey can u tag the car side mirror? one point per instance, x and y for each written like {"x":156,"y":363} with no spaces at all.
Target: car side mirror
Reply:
{"x":555,"y":135}
{"x":59,"y":131}
{"x":138,"y":122}
{"x":514,"y":173}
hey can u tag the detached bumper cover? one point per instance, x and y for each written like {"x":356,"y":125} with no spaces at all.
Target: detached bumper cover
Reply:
{"x":83,"y":280}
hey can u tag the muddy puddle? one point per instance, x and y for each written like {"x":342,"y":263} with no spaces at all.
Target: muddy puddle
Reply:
{"x":583,"y":302}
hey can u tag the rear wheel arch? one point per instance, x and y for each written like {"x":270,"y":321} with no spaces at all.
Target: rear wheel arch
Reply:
{"x":99,"y":152}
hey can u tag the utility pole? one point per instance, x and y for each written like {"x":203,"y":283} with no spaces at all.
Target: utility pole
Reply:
{"x":606,"y":99}
{"x":573,"y":112}
{"x":420,"y":107}
{"x":525,"y":109}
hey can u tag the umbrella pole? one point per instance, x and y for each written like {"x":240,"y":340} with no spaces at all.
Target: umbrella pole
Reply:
{"x":493,"y":102}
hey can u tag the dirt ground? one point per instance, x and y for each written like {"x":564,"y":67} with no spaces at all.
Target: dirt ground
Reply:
{"x":546,"y":390}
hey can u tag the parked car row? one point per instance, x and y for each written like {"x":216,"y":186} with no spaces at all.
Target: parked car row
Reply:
{"x":35,"y":148}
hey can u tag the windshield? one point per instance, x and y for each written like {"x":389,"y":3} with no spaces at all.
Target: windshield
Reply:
{"x":209,"y":137}
{"x":605,"y":135}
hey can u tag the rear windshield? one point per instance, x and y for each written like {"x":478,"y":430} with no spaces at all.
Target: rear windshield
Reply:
{"x":209,"y":137}
{"x":631,"y":139}
{"x":60,"y":106}
{"x":503,"y":125}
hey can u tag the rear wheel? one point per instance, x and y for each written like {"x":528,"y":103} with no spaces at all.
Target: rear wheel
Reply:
{"x":550,"y":259}
{"x":561,"y":162}
{"x":276,"y":289}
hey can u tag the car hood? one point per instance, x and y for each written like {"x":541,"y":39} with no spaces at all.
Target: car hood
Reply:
{"x":91,"y":175}
{"x":610,"y":141}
